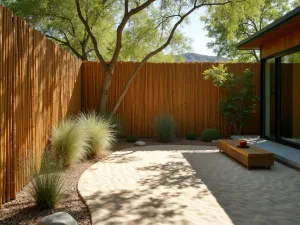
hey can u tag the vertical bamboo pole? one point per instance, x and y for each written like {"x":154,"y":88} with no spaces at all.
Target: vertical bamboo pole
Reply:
{"x":2,"y":108}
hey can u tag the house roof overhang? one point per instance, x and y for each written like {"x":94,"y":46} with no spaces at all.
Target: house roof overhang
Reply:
{"x":286,"y":24}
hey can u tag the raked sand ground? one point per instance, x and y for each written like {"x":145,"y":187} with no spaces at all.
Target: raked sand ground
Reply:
{"x":188,"y":185}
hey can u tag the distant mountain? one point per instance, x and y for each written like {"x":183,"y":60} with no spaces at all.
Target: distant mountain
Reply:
{"x":194,"y":57}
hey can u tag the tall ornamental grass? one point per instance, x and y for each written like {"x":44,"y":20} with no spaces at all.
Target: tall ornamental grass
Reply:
{"x":47,"y":185}
{"x":164,"y":128}
{"x":70,"y":142}
{"x":101,"y":132}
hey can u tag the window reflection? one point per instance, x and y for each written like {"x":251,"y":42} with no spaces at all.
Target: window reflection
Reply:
{"x":290,"y":98}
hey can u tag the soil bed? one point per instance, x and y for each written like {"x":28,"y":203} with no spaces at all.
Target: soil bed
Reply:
{"x":22,"y":209}
{"x":122,"y":143}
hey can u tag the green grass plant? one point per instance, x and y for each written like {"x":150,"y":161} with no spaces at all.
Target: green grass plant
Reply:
{"x":101,"y":133}
{"x":47,"y":185}
{"x":164,"y":128}
{"x":132,"y":138}
{"x":209,"y":135}
{"x":70,"y":142}
{"x":191,"y":136}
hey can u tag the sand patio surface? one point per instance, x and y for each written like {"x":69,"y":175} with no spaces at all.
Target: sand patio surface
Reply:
{"x":187,"y":185}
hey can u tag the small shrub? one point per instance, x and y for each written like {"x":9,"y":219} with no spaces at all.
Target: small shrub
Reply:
{"x":210,"y":134}
{"x":191,"y":136}
{"x":132,"y":138}
{"x":46,"y":187}
{"x":70,"y":142}
{"x":164,"y":128}
{"x":240,"y":102}
{"x":101,"y":133}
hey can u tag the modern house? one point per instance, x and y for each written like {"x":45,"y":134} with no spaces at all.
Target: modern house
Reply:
{"x":279,"y":45}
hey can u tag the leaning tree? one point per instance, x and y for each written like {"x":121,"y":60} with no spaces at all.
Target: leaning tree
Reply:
{"x":164,"y":17}
{"x":114,"y":30}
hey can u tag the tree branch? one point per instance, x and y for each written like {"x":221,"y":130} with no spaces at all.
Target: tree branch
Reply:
{"x":126,"y":17}
{"x":66,"y":43}
{"x":254,"y":53}
{"x":162,"y":47}
{"x":93,"y":38}
{"x":253,"y":24}
{"x":56,"y":39}
{"x":81,"y":56}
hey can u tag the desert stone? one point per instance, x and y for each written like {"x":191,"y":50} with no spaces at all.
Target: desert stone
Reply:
{"x":59,"y":218}
{"x":140,"y":143}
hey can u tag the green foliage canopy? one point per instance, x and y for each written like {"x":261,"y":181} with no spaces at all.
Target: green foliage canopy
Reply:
{"x":232,"y":23}
{"x":59,"y":21}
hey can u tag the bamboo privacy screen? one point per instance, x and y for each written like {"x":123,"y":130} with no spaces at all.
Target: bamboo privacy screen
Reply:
{"x":39,"y":84}
{"x":176,"y":88}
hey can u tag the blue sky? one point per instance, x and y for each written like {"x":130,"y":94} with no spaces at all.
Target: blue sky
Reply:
{"x":195,"y":30}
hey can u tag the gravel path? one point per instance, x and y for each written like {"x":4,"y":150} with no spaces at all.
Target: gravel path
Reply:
{"x":149,"y":185}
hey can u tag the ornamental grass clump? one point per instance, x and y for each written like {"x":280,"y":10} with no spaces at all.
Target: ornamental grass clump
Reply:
{"x":209,"y":135}
{"x":115,"y":123}
{"x":164,"y":128}
{"x":70,"y":142}
{"x":132,"y":138}
{"x":191,"y":136}
{"x":101,"y":133}
{"x":47,"y":185}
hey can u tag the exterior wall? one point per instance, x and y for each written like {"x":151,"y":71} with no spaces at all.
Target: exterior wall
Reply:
{"x":283,"y":43}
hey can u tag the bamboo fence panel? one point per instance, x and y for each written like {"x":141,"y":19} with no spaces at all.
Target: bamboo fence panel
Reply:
{"x":40,"y":84}
{"x":175,"y":88}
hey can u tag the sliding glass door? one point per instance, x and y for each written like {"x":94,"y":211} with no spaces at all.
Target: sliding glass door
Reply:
{"x":281,"y":98}
{"x":290,"y":98}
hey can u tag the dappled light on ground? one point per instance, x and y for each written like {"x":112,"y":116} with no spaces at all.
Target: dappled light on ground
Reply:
{"x":258,"y":196}
{"x":149,"y":187}
{"x":188,"y":185}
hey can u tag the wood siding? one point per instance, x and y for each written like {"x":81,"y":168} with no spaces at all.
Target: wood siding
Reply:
{"x":280,"y":44}
{"x":176,"y":88}
{"x":40,"y":84}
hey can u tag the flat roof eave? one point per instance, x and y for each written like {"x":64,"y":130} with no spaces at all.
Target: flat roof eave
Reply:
{"x":284,"y":19}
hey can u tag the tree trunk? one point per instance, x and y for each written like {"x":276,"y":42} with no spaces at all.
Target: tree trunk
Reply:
{"x":121,"y":97}
{"x":238,"y":128}
{"x":105,"y":91}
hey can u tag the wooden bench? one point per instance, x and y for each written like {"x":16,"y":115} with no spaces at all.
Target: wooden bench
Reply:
{"x":250,"y":157}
